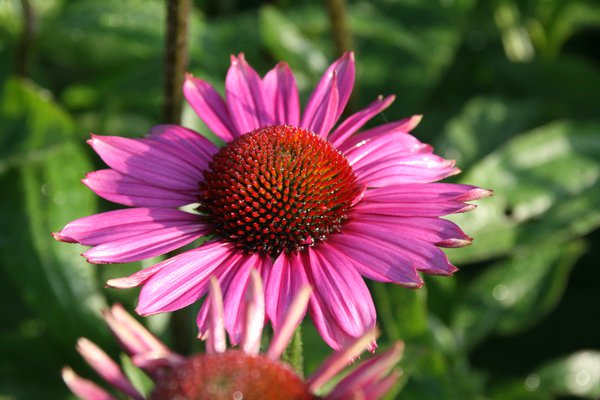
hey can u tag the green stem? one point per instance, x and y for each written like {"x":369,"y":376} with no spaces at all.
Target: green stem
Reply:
{"x":339,"y":26}
{"x":176,"y":59}
{"x":26,"y":40}
{"x":293,"y":355}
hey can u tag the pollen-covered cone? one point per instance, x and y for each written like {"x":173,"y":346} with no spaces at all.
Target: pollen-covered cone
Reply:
{"x":225,"y":374}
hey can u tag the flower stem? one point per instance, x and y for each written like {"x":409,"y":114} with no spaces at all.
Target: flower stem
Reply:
{"x":176,"y":58}
{"x":181,"y":323}
{"x":341,"y":33}
{"x":293,"y":354}
{"x":26,"y":40}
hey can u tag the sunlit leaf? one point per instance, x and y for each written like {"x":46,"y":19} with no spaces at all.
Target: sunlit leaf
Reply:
{"x":545,"y":186}
{"x":515,"y":294}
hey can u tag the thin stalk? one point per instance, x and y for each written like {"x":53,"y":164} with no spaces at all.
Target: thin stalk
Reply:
{"x":176,"y":59}
{"x":26,"y":40}
{"x":339,"y":26}
{"x":293,"y":355}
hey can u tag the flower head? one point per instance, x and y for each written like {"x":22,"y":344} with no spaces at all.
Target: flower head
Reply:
{"x":223,"y":373}
{"x":298,"y":197}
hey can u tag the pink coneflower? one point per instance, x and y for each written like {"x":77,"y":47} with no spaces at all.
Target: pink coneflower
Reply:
{"x":296,"y":197}
{"x":223,"y":373}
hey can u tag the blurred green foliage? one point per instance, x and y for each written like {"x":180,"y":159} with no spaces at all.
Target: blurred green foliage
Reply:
{"x":510,"y":89}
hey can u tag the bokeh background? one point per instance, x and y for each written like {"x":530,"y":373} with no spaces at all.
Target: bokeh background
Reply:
{"x":510,"y":89}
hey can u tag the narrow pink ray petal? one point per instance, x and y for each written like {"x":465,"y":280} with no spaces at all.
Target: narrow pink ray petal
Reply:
{"x":254,"y":314}
{"x":281,"y":95}
{"x":408,"y":209}
{"x":403,"y":126}
{"x":377,"y":390}
{"x":294,"y":316}
{"x":425,"y":193}
{"x":325,"y":117}
{"x":374,"y":260}
{"x":245,"y":97}
{"x":136,"y":279}
{"x":357,"y":120}
{"x":122,"y":189}
{"x":183,"y":279}
{"x":134,"y":337}
{"x":408,"y":250}
{"x":342,"y":72}
{"x":216,"y":342}
{"x":147,"y":161}
{"x":119,"y":224}
{"x":235,"y":294}
{"x":185,"y":143}
{"x":210,"y":107}
{"x":419,"y":168}
{"x":83,"y":388}
{"x":286,"y":279}
{"x":106,"y":368}
{"x":340,"y":360}
{"x":341,"y":306}
{"x":154,"y":363}
{"x":368,"y":374}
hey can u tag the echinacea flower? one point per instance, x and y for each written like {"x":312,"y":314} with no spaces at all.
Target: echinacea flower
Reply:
{"x":223,"y":373}
{"x":302,"y":199}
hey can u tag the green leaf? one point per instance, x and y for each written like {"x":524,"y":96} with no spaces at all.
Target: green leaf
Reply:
{"x":577,"y":375}
{"x":41,"y":193}
{"x":286,"y":42}
{"x":546,"y":189}
{"x":515,"y":294}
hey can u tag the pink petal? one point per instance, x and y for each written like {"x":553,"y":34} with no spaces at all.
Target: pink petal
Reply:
{"x":245,"y":97}
{"x":292,"y":319}
{"x":185,"y":143}
{"x":132,"y":234}
{"x":183,"y":279}
{"x":336,"y":362}
{"x":106,"y":368}
{"x":403,"y":126}
{"x":368,"y":375}
{"x":83,"y":388}
{"x":341,"y":75}
{"x":122,"y":189}
{"x":254,"y":314}
{"x":341,"y":306}
{"x":326,"y":115}
{"x":410,"y":252}
{"x":373,"y":260}
{"x":356,"y":121}
{"x":281,"y":95}
{"x":147,"y":161}
{"x":286,"y":279}
{"x":210,"y":107}
{"x":216,"y":341}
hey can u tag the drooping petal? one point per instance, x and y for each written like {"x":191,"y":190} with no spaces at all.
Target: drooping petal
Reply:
{"x":374,"y":260}
{"x":123,"y":189}
{"x":398,"y":249}
{"x":281,"y":95}
{"x":183,"y":279}
{"x":245,"y":97}
{"x":339,"y":75}
{"x":106,"y":368}
{"x":341,"y":306}
{"x":286,"y":279}
{"x":147,"y":161}
{"x":210,"y":107}
{"x":357,"y":120}
{"x":83,"y":388}
{"x":132,"y":234}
